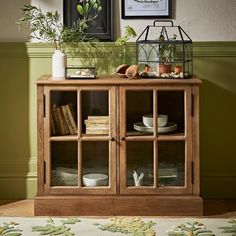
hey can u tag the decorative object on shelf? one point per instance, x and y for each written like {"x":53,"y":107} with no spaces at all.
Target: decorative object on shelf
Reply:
{"x":166,"y":50}
{"x":121,"y":69}
{"x":49,"y":27}
{"x":91,"y":180}
{"x":161,"y":120}
{"x":58,"y":65}
{"x":138,"y":179}
{"x":121,"y":42}
{"x":143,"y":9}
{"x":67,"y":176}
{"x":170,"y":127}
{"x":126,"y":71}
{"x":132,"y":72}
{"x":80,"y":72}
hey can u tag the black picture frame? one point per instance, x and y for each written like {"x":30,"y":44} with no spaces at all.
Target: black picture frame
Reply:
{"x":132,"y":9}
{"x":102,"y":28}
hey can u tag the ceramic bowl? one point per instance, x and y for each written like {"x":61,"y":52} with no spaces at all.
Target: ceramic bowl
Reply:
{"x":162,"y":120}
{"x":91,"y":180}
{"x":148,"y":120}
{"x":67,"y":176}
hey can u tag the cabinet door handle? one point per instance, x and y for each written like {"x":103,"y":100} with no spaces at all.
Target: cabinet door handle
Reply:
{"x":112,"y":139}
{"x":123,"y":139}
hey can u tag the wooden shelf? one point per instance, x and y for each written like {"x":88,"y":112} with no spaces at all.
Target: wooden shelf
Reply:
{"x":64,"y":138}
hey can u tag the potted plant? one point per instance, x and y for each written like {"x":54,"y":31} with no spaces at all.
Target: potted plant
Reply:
{"x":168,"y":53}
{"x":165,"y":55}
{"x":49,"y":27}
{"x":121,"y":42}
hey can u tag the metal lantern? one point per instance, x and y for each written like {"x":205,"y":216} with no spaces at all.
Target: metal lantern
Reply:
{"x":165,"y":51}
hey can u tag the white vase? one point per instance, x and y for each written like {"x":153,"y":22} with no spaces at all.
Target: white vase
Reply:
{"x":58,"y":65}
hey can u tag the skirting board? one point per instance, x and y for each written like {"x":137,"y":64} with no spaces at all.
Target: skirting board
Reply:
{"x":118,"y":205}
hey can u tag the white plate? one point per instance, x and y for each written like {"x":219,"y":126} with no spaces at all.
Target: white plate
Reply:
{"x":171,"y":126}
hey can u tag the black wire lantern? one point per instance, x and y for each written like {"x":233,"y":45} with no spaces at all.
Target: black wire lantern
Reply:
{"x":165,"y":51}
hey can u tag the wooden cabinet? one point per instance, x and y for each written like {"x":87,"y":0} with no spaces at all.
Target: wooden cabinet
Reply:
{"x":113,"y":139}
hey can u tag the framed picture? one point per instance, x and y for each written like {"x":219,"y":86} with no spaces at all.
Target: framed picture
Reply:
{"x":143,"y":9}
{"x":102,"y":27}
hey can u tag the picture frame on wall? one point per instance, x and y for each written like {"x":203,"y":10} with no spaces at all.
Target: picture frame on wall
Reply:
{"x":146,"y":9}
{"x":101,"y":28}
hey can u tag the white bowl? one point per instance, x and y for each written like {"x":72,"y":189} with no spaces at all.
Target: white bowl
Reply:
{"x":148,"y":120}
{"x":67,"y":176}
{"x":91,"y":180}
{"x":162,"y":120}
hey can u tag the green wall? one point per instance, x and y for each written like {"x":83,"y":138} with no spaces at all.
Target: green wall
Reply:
{"x":21,"y":64}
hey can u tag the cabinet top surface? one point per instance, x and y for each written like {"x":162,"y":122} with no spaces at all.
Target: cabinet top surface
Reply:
{"x":113,"y":80}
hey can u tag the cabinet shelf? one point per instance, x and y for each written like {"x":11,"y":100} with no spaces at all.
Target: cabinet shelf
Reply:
{"x":64,"y":138}
{"x":135,"y":135}
{"x":167,"y":163}
{"x":99,"y":136}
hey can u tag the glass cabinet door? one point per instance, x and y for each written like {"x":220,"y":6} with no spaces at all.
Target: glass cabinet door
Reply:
{"x":80,"y":144}
{"x":155,"y":151}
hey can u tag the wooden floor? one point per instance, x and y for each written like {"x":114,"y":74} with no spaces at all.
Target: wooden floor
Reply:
{"x":212,"y":208}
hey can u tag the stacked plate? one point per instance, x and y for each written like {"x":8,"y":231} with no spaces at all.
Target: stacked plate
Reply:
{"x":148,"y":126}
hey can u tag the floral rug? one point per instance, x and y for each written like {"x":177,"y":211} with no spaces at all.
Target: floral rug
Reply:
{"x":160,"y":226}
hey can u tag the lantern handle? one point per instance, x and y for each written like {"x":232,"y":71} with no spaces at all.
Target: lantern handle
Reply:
{"x":161,"y":21}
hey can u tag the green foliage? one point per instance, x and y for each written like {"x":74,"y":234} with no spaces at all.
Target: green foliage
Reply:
{"x":190,"y":229}
{"x":230,"y":229}
{"x":49,"y":27}
{"x":168,"y":50}
{"x":129,"y":33}
{"x":10,"y":229}
{"x":134,"y":226}
{"x":121,"y":42}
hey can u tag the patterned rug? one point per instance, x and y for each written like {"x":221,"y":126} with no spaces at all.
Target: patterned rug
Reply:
{"x":160,"y":226}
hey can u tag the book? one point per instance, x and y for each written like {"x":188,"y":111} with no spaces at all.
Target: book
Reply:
{"x":98,"y":118}
{"x":71,"y":115}
{"x":94,"y":121}
{"x":97,"y":125}
{"x":97,"y":131}
{"x":62,"y":122}
{"x":53,"y":125}
{"x":55,"y":118}
{"x":67,"y":119}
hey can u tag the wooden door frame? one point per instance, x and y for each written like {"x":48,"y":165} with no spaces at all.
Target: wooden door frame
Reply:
{"x":75,"y":190}
{"x":187,"y":138}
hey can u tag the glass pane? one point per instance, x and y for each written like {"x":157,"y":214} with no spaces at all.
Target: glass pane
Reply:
{"x":139,"y":104}
{"x":171,"y":163}
{"x":64,"y":163}
{"x":170,"y":112}
{"x":188,"y":65}
{"x":63,"y":115}
{"x":139,"y":163}
{"x":95,"y":163}
{"x":95,"y":112}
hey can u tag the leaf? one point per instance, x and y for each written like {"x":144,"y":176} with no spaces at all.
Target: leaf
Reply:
{"x":95,"y":6}
{"x":80,"y":9}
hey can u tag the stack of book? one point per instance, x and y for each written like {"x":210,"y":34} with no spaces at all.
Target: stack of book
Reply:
{"x":97,"y":125}
{"x":63,"y":120}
